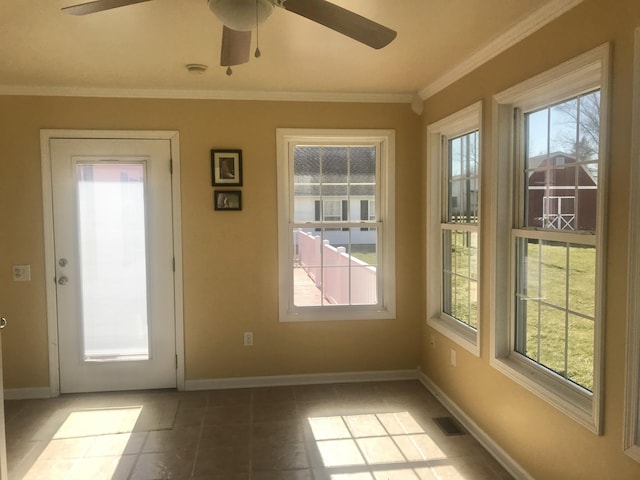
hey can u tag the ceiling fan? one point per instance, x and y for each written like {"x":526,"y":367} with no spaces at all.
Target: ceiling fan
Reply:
{"x":240,"y":17}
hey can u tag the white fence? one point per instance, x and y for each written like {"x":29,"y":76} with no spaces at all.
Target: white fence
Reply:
{"x":342,"y":279}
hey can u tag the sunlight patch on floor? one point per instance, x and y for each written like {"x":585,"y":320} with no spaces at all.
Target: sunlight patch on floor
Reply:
{"x":384,"y":446}
{"x":89,"y":444}
{"x":87,"y":423}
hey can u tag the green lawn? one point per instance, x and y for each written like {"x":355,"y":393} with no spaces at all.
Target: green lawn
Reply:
{"x":366,"y":257}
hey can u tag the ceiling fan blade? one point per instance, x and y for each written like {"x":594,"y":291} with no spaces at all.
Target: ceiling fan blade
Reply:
{"x":236,"y":47}
{"x":342,"y":20}
{"x":98,"y":6}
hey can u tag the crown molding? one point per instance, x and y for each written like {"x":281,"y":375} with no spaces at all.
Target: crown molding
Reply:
{"x":521,"y":30}
{"x":17,"y":90}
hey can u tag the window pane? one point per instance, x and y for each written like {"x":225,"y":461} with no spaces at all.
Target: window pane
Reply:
{"x":561,"y":164}
{"x":563,"y":128}
{"x":462,"y":183}
{"x":459,"y":276}
{"x":552,"y":264}
{"x":582,"y":280}
{"x":580,"y":353}
{"x":555,"y":308}
{"x":552,"y":339}
{"x":589,"y":127}
{"x":362,"y":173}
{"x":335,"y":171}
{"x":306,"y":183}
{"x":537,"y":130}
{"x":306,"y":292}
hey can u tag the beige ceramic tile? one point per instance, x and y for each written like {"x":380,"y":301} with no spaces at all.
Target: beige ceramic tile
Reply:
{"x":364,"y":431}
{"x":102,"y":468}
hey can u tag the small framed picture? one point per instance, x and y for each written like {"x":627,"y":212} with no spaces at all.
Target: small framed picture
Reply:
{"x":226,"y":167}
{"x":227,"y":200}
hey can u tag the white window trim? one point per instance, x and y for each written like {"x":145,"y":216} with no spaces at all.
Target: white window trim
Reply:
{"x":632,"y":391}
{"x":580,"y":74}
{"x":459,"y":123}
{"x":386,"y":216}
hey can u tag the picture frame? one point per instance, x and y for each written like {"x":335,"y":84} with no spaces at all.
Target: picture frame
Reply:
{"x":227,"y":200}
{"x":226,"y":167}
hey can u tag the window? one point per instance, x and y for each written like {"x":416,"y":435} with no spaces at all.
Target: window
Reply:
{"x":632,"y":391}
{"x":549,"y":234}
{"x":336,"y":236}
{"x":453,"y":227}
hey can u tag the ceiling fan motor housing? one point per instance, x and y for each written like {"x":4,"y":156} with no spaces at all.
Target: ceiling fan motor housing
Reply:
{"x":241,"y":15}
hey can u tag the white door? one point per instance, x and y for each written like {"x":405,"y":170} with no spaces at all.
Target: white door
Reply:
{"x":3,"y":443}
{"x":113,"y":240}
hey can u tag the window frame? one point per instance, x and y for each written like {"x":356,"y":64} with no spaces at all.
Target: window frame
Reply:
{"x":632,"y":391}
{"x":581,"y":74}
{"x":460,"y":123}
{"x":286,"y":139}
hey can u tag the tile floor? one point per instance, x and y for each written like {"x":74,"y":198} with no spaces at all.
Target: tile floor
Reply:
{"x":363,"y":431}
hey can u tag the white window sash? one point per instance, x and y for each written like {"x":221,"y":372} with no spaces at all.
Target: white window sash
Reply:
{"x":384,"y":141}
{"x":460,"y":123}
{"x":574,"y":77}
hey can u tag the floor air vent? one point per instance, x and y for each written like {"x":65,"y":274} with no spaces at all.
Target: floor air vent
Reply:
{"x":450,"y":426}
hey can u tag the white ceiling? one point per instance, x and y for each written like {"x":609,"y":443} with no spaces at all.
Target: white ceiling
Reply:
{"x":145,"y":47}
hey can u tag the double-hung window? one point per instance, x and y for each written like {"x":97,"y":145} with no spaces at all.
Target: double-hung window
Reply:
{"x":454,"y":226}
{"x":336,"y":229}
{"x":549,"y":253}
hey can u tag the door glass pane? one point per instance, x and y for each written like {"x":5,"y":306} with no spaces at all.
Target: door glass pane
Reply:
{"x":113,"y":266}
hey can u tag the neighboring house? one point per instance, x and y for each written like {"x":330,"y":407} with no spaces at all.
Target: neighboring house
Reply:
{"x":561,"y":193}
{"x":341,"y":193}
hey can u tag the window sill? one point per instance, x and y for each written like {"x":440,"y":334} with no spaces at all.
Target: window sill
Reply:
{"x":464,"y":336}
{"x":633,"y":452}
{"x":337,"y":313}
{"x":572,"y":400}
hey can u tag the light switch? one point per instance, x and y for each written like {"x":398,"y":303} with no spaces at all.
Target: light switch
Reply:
{"x":22,"y":273}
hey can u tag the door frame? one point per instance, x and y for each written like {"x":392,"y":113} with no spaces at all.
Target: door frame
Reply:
{"x":49,"y":246}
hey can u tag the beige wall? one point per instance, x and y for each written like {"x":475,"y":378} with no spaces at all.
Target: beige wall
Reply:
{"x":544,"y":441}
{"x":230,"y":258}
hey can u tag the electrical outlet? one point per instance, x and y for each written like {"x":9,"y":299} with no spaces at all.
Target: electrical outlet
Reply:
{"x":248,"y":339}
{"x":453,"y":358}
{"x":22,"y":273}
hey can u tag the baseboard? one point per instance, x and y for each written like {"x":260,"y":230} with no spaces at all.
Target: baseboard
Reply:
{"x":304,"y":379}
{"x":513,"y":467}
{"x":27,"y":393}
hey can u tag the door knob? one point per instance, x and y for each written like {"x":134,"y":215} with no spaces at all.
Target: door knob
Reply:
{"x":3,"y":322}
{"x":63,"y":280}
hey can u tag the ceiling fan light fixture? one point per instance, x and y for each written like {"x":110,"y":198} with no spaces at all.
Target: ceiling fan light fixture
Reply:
{"x":241,"y":15}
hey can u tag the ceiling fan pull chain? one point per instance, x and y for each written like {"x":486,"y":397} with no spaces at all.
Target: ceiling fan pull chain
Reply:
{"x":258,"y":52}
